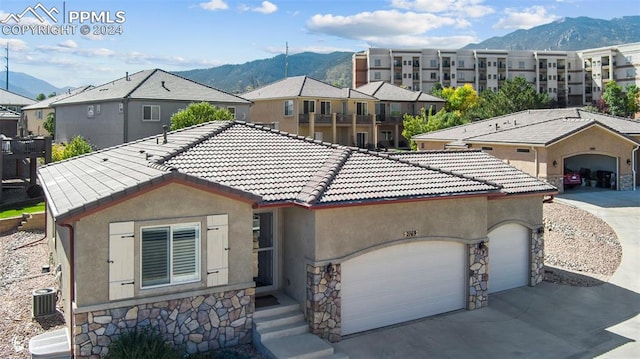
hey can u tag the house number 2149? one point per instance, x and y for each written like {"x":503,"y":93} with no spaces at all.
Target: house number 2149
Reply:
{"x":410,"y":233}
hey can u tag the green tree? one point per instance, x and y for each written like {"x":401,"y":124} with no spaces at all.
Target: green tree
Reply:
{"x":615,"y":99}
{"x":49,"y":124}
{"x":53,"y":94}
{"x":77,"y":146}
{"x":197,"y":113}
{"x":514,"y":96}
{"x":633,"y":99}
{"x":460,"y":99}
{"x":415,"y":125}
{"x":40,"y":97}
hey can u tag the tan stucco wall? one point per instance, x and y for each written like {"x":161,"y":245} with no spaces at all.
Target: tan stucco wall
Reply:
{"x":431,"y":145}
{"x":349,"y":230}
{"x":272,"y":111}
{"x":173,"y":203}
{"x":61,"y":256}
{"x":35,"y":124}
{"x":524,"y":161}
{"x":297,"y":239}
{"x":524,"y":210}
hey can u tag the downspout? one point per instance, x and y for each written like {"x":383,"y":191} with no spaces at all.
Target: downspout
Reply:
{"x":72,"y":281}
{"x":634,"y":154}
{"x":535,"y":159}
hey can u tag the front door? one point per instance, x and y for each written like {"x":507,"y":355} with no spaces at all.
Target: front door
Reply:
{"x":263,"y":251}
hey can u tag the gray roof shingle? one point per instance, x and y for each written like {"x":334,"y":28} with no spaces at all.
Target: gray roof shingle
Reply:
{"x":8,"y":98}
{"x":264,"y":165}
{"x":384,"y":91}
{"x":303,"y":86}
{"x":152,"y":84}
{"x":46,"y":103}
{"x":535,"y":127}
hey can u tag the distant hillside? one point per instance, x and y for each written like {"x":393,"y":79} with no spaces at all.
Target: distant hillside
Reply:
{"x":27,"y":85}
{"x":568,"y":34}
{"x":334,"y":68}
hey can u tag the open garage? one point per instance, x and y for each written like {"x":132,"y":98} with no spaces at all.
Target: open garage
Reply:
{"x":600,"y":170}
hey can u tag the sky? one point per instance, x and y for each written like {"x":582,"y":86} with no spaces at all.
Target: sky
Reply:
{"x":128,"y":36}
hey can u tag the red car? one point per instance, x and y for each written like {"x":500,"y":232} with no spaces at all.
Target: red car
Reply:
{"x":572,"y":179}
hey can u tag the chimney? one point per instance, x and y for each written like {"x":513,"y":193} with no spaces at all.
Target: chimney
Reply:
{"x":164,"y":134}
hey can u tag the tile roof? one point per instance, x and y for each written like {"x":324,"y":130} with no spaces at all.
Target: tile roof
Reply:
{"x":154,"y":84}
{"x":384,"y":91}
{"x":46,"y":103}
{"x":480,"y":165}
{"x":8,"y":98}
{"x":261,"y":164}
{"x":303,"y":86}
{"x":536,"y":127}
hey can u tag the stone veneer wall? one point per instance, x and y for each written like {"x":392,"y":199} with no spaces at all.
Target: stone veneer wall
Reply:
{"x":323,"y":301}
{"x":556,"y":181}
{"x":537,"y":255}
{"x":626,"y":182}
{"x":199,"y":324}
{"x":478,"y":276}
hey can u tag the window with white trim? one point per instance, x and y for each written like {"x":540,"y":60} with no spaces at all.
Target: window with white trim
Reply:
{"x":170,"y":254}
{"x":232,"y":110}
{"x":325,"y":107}
{"x":309,"y":106}
{"x":151,"y":113}
{"x":39,"y":114}
{"x":361,"y":109}
{"x":376,"y":75}
{"x":376,"y":62}
{"x":288,"y":107}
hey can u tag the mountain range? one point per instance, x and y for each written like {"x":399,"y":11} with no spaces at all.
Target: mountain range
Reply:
{"x":567,"y":34}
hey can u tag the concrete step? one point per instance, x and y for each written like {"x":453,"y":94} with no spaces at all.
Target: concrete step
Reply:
{"x":302,"y":346}
{"x":282,"y":331}
{"x":279,"y":319}
{"x":275,"y":310}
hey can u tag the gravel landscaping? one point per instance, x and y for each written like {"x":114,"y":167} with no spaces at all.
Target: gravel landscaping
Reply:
{"x":580,"y":250}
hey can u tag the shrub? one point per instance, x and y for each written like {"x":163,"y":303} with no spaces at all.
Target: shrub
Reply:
{"x":141,"y":343}
{"x":76,"y":147}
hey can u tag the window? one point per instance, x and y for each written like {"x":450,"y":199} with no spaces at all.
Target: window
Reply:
{"x":90,"y":111}
{"x":151,"y":113}
{"x":453,"y":63}
{"x":288,"y":108}
{"x":232,"y":110}
{"x":522,"y":150}
{"x":169,"y":254}
{"x":521,"y":64}
{"x":386,"y":136}
{"x":433,"y":76}
{"x":395,"y":109}
{"x":361,"y":137}
{"x":376,"y":75}
{"x":433,"y":63}
{"x":461,"y":63}
{"x":39,"y":114}
{"x":325,"y":107}
{"x":376,"y":62}
{"x":487,"y":148}
{"x":361,"y":109}
{"x":309,"y":106}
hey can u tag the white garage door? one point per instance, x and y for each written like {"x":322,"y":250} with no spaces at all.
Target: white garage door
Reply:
{"x":401,"y":283}
{"x":508,"y":257}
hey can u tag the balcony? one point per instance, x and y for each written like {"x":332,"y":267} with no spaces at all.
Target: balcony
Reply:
{"x":390,"y":119}
{"x":303,"y":118}
{"x":27,"y":148}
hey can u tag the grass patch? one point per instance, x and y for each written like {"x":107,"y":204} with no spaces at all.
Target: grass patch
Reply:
{"x":19,"y":211}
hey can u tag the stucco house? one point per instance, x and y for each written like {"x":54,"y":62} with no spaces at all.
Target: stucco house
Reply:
{"x":394,"y":103}
{"x":35,"y":115}
{"x":182,"y":231}
{"x":309,"y":107}
{"x":549,"y":143}
{"x":135,"y":106}
{"x":13,"y":101}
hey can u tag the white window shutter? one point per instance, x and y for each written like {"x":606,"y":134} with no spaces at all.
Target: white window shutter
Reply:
{"x":121,"y":246}
{"x":217,"y":250}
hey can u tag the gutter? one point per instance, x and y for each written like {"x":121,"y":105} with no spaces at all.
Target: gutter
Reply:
{"x":72,"y":280}
{"x":634,"y":154}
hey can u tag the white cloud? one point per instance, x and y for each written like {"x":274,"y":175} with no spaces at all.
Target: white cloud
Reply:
{"x":68,"y":44}
{"x":525,"y":19}
{"x":14,"y":44}
{"x":311,"y":48}
{"x":266,"y":8}
{"x":214,"y":5}
{"x":459,"y":8}
{"x":383,"y":23}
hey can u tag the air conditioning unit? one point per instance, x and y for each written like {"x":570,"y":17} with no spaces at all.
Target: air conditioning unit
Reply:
{"x":44,"y":302}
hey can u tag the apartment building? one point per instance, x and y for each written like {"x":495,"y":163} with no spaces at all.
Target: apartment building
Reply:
{"x":572,"y":78}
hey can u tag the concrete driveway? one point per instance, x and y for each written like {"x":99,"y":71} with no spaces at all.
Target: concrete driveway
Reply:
{"x":546,"y":321}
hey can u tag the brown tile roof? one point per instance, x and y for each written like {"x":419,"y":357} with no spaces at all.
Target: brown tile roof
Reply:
{"x":261,"y":164}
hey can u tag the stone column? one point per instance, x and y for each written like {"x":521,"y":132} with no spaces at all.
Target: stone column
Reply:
{"x":537,"y":255}
{"x":478,"y":275}
{"x":323,"y":301}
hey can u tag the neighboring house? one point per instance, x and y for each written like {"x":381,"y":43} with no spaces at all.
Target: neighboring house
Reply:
{"x":9,"y":120}
{"x":181,"y":231}
{"x":35,"y":115}
{"x":315,"y":109}
{"x":13,"y":101}
{"x":549,"y":143}
{"x":395,"y":102}
{"x":135,"y":106}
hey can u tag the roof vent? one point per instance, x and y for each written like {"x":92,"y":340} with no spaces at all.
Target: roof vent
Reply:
{"x":163,"y":86}
{"x":126,"y":76}
{"x":164,"y":132}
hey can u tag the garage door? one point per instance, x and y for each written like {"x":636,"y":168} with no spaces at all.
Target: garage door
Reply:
{"x":508,"y":257}
{"x":401,"y":283}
